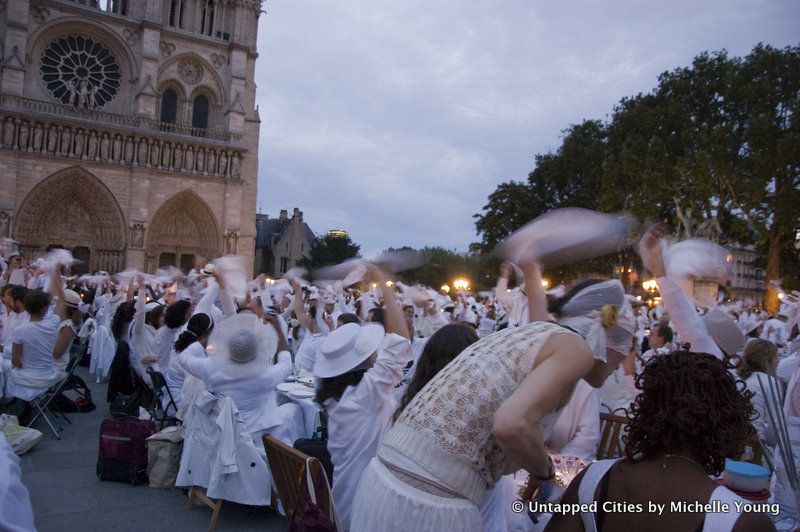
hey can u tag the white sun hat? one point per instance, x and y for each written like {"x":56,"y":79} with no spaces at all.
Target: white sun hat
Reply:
{"x":347,"y":347}
{"x":241,"y":346}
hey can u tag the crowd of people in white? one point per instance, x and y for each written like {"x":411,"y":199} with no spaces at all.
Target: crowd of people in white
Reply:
{"x":432,"y":400}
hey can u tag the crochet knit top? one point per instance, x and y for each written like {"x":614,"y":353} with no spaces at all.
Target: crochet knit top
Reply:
{"x":447,"y":428}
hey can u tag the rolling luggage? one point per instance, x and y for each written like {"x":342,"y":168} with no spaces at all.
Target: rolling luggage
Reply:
{"x":123,"y":449}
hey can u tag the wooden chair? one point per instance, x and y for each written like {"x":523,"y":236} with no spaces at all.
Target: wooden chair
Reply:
{"x":287,"y":466}
{"x":611,"y":427}
{"x":215,"y":505}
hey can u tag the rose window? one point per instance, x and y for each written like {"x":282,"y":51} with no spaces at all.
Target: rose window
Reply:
{"x":81,"y":72}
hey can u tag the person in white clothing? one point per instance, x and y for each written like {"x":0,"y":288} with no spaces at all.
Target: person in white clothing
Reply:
{"x":358,"y":367}
{"x":515,"y":301}
{"x":17,"y":272}
{"x":70,"y":317}
{"x":688,"y":418}
{"x":577,"y":431}
{"x":14,"y":301}
{"x":240,"y":368}
{"x":175,"y":317}
{"x":31,"y":366}
{"x":759,"y":360}
{"x":192,"y":342}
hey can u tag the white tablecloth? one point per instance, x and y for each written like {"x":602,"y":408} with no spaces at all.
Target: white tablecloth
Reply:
{"x":307,"y":405}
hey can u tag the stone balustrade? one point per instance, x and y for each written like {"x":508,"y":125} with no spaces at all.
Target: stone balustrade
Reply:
{"x":91,"y":142}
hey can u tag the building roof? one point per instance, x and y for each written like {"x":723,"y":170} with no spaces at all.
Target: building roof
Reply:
{"x":269,"y":231}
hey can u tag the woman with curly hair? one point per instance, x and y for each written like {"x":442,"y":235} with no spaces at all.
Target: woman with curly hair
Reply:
{"x":688,"y":418}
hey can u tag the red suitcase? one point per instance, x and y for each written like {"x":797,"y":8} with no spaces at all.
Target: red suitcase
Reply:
{"x":123,"y":449}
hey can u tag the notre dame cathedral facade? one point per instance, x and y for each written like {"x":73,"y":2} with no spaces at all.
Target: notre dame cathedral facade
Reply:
{"x":129,"y":130}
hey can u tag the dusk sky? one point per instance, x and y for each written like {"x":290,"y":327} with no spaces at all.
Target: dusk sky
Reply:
{"x":394,"y":120}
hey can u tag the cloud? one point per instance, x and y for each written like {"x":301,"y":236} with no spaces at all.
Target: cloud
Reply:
{"x":395,"y":120}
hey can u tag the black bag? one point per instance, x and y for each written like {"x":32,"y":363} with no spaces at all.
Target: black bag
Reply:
{"x":84,"y":404}
{"x":121,"y":377}
{"x":125,"y":405}
{"x":317,"y":446}
{"x":62,"y":403}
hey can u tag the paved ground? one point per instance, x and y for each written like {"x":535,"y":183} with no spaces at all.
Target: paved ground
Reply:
{"x":65,"y":492}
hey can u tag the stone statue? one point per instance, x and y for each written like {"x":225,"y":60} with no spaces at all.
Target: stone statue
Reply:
{"x":129,"y":149}
{"x":166,"y":156}
{"x":66,"y":141}
{"x":231,"y":243}
{"x":117,"y":148}
{"x":105,"y":147}
{"x":5,"y":223}
{"x":141,"y":155}
{"x":177,"y":158}
{"x":91,"y":149}
{"x":236,"y":165}
{"x":137,"y":235}
{"x":200,"y":160}
{"x":155,"y":153}
{"x":72,"y":98}
{"x":80,"y":140}
{"x":223,"y":164}
{"x":211,"y":162}
{"x":52,"y":138}
{"x":189,"y":159}
{"x":24,"y":130}
{"x":9,"y":132}
{"x":93,"y":96}
{"x":83,"y":94}
{"x":38,"y":135}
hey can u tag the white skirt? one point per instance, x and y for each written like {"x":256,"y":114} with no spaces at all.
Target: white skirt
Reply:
{"x":384,"y":502}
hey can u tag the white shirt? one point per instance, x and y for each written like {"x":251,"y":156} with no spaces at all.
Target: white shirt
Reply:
{"x":307,"y":352}
{"x":358,"y":421}
{"x":577,"y":431}
{"x":774,"y":331}
{"x":175,"y":375}
{"x":37,"y":338}
{"x":515,"y":303}
{"x":18,"y":276}
{"x":14,"y":320}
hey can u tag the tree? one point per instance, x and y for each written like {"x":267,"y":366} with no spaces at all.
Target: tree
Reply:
{"x":716,"y":142}
{"x":330,"y":249}
{"x":509,"y":207}
{"x":568,"y":178}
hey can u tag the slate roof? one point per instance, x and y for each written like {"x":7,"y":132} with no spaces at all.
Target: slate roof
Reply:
{"x":270,"y":230}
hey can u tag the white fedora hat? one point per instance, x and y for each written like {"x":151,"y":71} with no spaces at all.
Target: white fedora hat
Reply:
{"x":347,"y":347}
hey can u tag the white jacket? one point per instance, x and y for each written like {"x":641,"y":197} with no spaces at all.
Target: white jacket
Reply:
{"x":255,"y":396}
{"x":219,"y":454}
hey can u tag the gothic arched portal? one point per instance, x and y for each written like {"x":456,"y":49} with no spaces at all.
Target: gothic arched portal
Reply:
{"x":72,"y":209}
{"x":182,"y":230}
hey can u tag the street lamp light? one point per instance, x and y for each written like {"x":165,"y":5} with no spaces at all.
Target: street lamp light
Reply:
{"x":461,"y":284}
